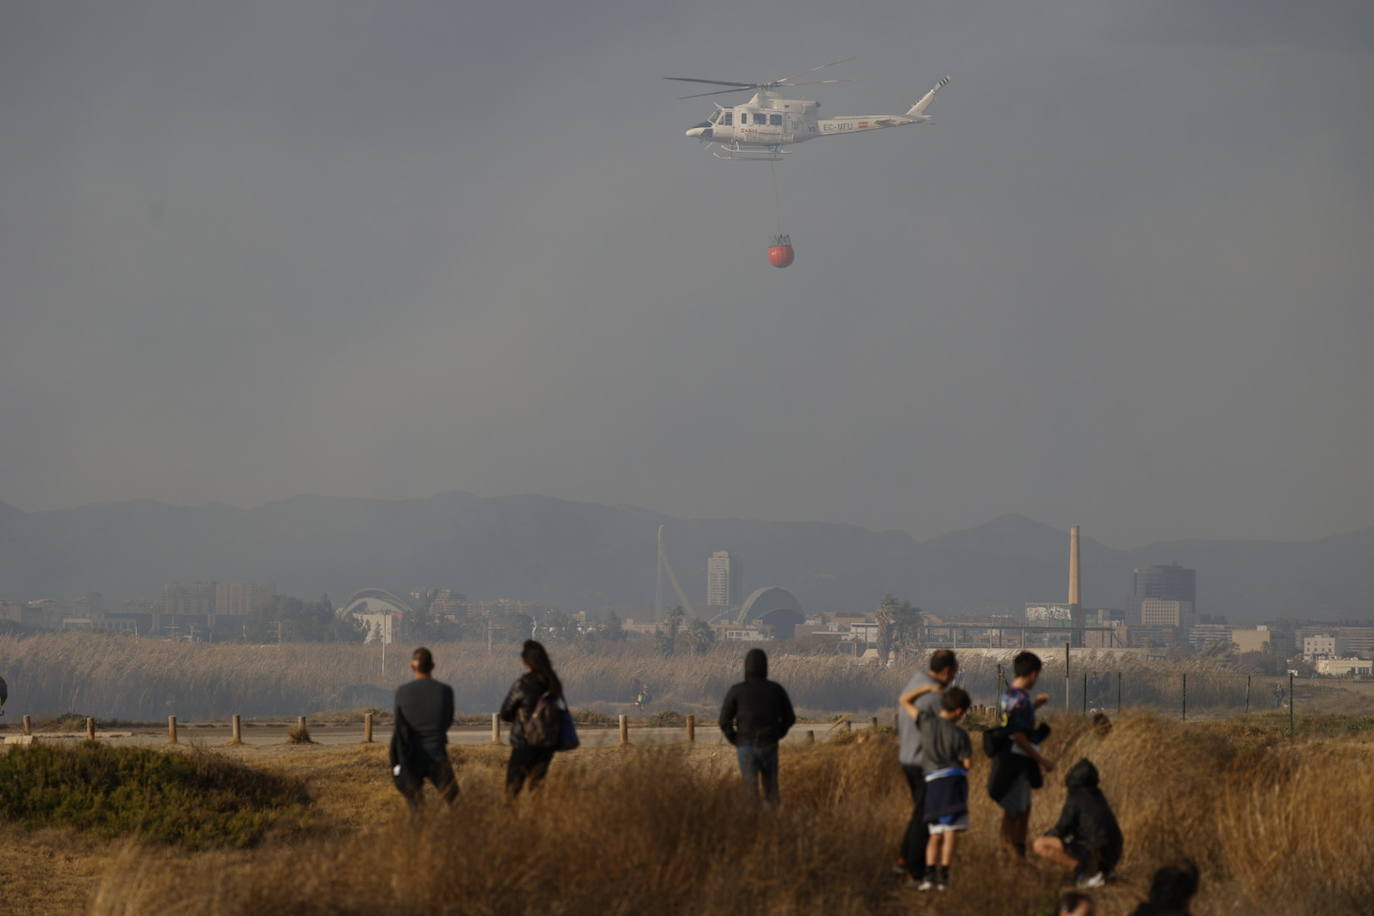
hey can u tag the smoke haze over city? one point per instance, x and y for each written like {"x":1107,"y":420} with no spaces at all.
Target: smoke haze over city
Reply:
{"x":254,"y":250}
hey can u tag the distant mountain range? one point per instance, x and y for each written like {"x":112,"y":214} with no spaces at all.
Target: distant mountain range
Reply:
{"x":586,"y":556}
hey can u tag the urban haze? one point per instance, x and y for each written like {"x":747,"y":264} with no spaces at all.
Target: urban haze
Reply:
{"x":257,"y":250}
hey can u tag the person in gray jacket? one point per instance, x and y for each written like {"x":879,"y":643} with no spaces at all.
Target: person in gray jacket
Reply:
{"x":911,"y":857}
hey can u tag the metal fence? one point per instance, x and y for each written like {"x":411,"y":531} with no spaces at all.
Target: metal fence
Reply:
{"x":1187,"y":695}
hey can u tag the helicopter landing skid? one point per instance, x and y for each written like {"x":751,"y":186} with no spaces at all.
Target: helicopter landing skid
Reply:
{"x":749,"y":153}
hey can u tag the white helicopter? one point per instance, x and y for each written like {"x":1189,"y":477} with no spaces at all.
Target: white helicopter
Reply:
{"x":763,"y":127}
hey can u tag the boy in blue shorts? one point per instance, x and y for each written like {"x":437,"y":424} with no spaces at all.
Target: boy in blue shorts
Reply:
{"x":946,"y":755}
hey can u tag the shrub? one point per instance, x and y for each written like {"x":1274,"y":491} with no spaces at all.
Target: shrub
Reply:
{"x":194,"y":800}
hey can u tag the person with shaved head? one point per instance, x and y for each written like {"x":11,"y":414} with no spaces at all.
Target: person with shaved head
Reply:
{"x":419,"y":740}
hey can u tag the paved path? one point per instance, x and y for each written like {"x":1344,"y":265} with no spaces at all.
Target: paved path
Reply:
{"x":261,"y":735}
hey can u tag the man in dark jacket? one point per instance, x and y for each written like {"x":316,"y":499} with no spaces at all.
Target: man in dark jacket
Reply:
{"x":419,"y":741}
{"x":1087,"y":838}
{"x":755,"y":716}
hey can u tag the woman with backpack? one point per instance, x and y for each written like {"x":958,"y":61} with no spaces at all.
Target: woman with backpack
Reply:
{"x":534,"y":709}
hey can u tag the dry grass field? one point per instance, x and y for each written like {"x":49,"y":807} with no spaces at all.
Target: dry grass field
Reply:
{"x":1278,"y":826}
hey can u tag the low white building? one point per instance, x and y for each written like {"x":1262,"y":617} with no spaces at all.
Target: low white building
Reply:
{"x":1344,"y":667}
{"x":746,"y":634}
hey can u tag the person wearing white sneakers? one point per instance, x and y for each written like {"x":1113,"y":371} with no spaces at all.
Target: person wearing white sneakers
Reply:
{"x":1087,"y":838}
{"x":946,"y":755}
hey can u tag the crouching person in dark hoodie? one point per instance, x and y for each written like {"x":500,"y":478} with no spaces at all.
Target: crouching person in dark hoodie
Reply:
{"x":755,"y":716}
{"x":1087,"y":838}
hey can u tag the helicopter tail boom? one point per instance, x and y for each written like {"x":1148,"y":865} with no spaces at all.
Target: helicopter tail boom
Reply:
{"x":917,"y":110}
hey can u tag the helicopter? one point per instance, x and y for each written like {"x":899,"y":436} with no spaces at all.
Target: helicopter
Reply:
{"x":762,"y":128}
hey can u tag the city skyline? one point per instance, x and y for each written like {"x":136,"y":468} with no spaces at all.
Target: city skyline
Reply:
{"x":585,"y":555}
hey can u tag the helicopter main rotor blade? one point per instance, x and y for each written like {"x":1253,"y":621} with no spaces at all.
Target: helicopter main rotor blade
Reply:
{"x":818,"y":82}
{"x":833,"y":63}
{"x":688,"y":79}
{"x":697,"y":95}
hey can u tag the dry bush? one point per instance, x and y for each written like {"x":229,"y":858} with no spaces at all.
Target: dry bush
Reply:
{"x":1277,"y":827}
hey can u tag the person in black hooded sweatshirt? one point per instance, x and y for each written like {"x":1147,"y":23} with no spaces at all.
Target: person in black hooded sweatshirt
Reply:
{"x":755,"y":716}
{"x":1087,"y":837}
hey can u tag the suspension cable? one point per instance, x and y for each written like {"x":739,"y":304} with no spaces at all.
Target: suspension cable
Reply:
{"x":777,"y":195}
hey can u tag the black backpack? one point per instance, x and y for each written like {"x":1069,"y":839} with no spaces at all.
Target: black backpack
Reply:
{"x":996,"y":741}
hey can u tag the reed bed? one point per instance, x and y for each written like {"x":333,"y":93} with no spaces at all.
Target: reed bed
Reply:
{"x":132,"y":679}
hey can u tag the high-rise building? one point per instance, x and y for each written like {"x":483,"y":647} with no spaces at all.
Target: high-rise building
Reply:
{"x":197,"y":598}
{"x":1323,"y":645}
{"x":1159,"y":612}
{"x":242,"y":599}
{"x":722,"y":580}
{"x":1204,"y":635}
{"x":448,"y":604}
{"x":1166,"y":583}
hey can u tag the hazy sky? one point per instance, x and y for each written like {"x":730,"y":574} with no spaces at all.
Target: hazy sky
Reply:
{"x":250,"y":250}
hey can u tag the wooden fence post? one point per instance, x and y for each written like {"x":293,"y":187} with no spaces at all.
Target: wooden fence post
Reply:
{"x":1247,"y":693}
{"x":90,"y":729}
{"x":691,"y":729}
{"x":624,"y":730}
{"x":1185,"y":697}
{"x":171,"y":729}
{"x":367,"y":727}
{"x":1085,"y":693}
{"x":1291,"y":704}
{"x":1066,"y":675}
{"x":28,"y":725}
{"x":1118,"y":693}
{"x":810,"y":736}
{"x":874,"y":723}
{"x":495,"y":728}
{"x":236,"y":730}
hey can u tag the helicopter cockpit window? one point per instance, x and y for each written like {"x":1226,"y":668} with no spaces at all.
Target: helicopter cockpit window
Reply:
{"x":775,"y":120}
{"x":726,"y":118}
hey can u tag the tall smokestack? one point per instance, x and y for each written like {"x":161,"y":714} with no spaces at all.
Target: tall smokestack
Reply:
{"x":1075,"y":593}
